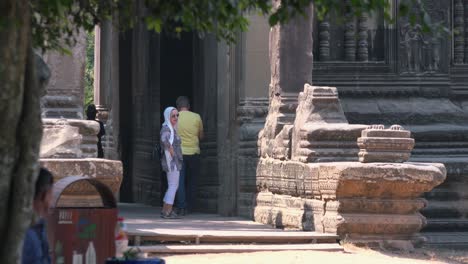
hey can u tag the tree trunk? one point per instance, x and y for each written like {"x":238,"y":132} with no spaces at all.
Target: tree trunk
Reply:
{"x":21,"y":127}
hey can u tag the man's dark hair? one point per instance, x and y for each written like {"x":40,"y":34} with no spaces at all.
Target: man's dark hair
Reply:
{"x":91,"y":112}
{"x":44,"y":182}
{"x":182,"y":101}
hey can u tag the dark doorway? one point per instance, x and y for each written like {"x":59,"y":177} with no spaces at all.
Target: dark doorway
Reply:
{"x":176,"y":68}
{"x":154,"y":71}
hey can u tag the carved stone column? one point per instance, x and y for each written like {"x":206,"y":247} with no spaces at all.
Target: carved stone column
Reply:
{"x":459,"y":42}
{"x":103,"y":65}
{"x":466,"y":30}
{"x":363,"y":51}
{"x":97,"y":63}
{"x":65,"y":91}
{"x":106,"y":82}
{"x":350,"y":34}
{"x":324,"y":36}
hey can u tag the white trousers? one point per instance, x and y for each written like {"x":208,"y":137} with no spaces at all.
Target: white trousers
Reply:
{"x":172,"y":185}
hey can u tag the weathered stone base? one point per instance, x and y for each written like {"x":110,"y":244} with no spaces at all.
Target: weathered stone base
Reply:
{"x":368,"y":202}
{"x":82,"y":194}
{"x":288,"y":212}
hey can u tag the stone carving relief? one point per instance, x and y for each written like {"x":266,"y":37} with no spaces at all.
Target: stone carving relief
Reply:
{"x":420,"y":51}
{"x":412,"y":43}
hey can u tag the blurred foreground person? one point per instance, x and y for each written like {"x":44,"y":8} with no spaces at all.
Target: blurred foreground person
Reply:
{"x":36,"y":246}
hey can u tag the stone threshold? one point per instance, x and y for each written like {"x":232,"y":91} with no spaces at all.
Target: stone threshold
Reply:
{"x":451,"y":240}
{"x":229,"y":248}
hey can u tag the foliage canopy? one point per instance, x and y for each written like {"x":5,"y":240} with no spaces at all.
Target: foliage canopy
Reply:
{"x":55,"y":21}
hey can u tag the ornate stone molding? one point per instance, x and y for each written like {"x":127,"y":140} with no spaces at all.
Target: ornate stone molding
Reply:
{"x":350,"y":33}
{"x":363,"y":45}
{"x":324,"y":39}
{"x":459,"y":28}
{"x":378,"y":144}
{"x":350,"y":199}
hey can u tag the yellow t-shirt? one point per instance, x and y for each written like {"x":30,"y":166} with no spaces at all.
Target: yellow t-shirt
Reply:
{"x":189,"y":127}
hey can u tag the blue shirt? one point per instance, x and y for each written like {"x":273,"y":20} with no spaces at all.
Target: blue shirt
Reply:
{"x":36,"y":246}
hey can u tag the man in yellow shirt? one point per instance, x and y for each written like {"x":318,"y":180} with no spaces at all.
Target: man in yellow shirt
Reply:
{"x":190,"y":130}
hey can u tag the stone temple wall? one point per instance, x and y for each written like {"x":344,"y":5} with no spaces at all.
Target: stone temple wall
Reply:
{"x":409,"y":77}
{"x":382,"y":79}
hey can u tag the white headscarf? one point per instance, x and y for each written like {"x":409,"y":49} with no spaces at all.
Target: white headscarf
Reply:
{"x":167,"y":122}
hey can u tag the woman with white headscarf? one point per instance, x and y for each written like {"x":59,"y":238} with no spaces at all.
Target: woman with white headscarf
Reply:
{"x":171,"y":160}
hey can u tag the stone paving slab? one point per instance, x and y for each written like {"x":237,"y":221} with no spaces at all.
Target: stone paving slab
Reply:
{"x":447,"y":239}
{"x":144,"y":223}
{"x":229,"y":248}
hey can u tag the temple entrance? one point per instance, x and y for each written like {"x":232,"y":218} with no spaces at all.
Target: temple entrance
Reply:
{"x":176,"y":77}
{"x":154,"y":71}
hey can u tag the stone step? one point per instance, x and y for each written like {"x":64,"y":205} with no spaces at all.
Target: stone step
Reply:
{"x":446,"y":209}
{"x":443,"y":194}
{"x":450,"y":240}
{"x":235,"y":248}
{"x":446,"y":225}
{"x":298,"y":237}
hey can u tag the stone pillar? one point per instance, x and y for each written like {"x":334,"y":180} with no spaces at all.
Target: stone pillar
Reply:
{"x":291,"y":67}
{"x":65,"y":91}
{"x":363,"y":51}
{"x":459,"y":42}
{"x":97,"y":63}
{"x":252,"y":109}
{"x":349,"y":35}
{"x":324,"y":37}
{"x":103,"y":85}
{"x":291,"y":55}
{"x":226,"y":64}
{"x":111,"y":146}
{"x":106,"y":81}
{"x":466,"y":29}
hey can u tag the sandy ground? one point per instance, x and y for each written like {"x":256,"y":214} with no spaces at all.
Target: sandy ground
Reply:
{"x":350,"y":256}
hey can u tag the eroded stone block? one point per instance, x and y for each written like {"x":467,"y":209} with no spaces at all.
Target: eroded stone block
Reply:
{"x":378,"y":144}
{"x":61,"y":140}
{"x":69,"y":138}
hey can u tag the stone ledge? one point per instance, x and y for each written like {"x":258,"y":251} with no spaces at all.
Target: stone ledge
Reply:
{"x":108,"y":172}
